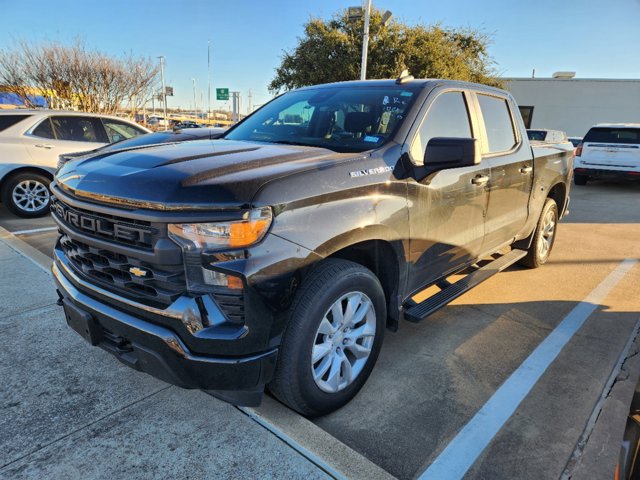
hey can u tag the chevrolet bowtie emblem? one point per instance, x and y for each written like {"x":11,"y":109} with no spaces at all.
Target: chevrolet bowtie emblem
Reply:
{"x":138,"y":272}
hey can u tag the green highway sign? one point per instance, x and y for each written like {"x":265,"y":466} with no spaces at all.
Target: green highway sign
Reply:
{"x":222,"y":94}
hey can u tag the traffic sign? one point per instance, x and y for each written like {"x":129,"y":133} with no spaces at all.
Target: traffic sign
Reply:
{"x":222,"y":94}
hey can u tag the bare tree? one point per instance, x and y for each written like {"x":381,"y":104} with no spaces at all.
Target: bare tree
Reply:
{"x":73,"y":77}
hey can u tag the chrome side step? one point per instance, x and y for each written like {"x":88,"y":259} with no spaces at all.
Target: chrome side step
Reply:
{"x":422,"y":310}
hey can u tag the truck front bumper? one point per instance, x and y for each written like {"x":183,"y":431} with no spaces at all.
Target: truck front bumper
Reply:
{"x":159,"y":351}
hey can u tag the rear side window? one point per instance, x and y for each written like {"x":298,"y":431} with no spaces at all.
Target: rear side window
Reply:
{"x":79,"y":129}
{"x":7,"y":121}
{"x":447,"y":117}
{"x":497,"y":121}
{"x":613,"y":135}
{"x":44,"y":130}
{"x":117,"y":131}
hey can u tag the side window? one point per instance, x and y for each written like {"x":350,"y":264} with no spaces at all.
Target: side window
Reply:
{"x":79,"y":129}
{"x":447,"y":117}
{"x":497,"y":121}
{"x":44,"y":130}
{"x":527,"y":115}
{"x":117,"y":131}
{"x":7,"y":121}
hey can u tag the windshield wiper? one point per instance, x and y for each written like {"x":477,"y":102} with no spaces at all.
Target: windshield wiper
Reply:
{"x":288,"y":142}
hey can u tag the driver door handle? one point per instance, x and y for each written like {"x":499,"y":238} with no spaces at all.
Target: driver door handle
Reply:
{"x":44,"y":145}
{"x":480,"y":180}
{"x":526,"y":170}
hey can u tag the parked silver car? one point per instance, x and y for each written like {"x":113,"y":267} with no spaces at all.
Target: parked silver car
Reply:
{"x":32,"y":140}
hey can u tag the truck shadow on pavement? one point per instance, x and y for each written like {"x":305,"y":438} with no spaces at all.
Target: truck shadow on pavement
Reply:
{"x":414,"y":404}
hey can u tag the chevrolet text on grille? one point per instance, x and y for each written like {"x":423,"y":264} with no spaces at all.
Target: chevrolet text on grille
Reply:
{"x":100,"y":226}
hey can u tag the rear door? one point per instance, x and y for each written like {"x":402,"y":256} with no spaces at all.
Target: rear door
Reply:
{"x":611,"y":147}
{"x":447,"y":208}
{"x":511,"y":163}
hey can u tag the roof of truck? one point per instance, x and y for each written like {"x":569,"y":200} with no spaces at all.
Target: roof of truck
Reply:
{"x":416,"y":83}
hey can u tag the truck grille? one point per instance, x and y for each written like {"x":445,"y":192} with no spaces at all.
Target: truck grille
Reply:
{"x":126,"y":276}
{"x":125,"y":231}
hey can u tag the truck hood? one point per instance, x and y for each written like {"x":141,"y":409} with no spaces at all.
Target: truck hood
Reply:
{"x":199,"y":174}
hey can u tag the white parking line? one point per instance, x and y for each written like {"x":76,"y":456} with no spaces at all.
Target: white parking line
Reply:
{"x":35,"y":230}
{"x":462,"y":452}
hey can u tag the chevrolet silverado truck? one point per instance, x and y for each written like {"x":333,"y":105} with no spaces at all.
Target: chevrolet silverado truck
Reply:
{"x":277,"y":256}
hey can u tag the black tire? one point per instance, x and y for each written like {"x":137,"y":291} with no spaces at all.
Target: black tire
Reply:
{"x":537,"y":255}
{"x":293,"y":383}
{"x":27,"y":209}
{"x":580,"y":179}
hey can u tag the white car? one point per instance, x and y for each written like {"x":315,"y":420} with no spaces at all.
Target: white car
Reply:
{"x":32,"y":140}
{"x":608,"y":150}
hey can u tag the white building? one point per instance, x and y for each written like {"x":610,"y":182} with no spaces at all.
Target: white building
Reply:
{"x":575,"y":104}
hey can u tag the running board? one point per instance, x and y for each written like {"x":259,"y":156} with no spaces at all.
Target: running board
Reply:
{"x":422,"y":310}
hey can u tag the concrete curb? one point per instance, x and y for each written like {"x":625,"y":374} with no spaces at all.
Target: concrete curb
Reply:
{"x":590,"y":459}
{"x":318,"y":446}
{"x":23,"y":248}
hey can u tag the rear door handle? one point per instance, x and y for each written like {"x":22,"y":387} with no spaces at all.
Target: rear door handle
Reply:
{"x":526,"y":170}
{"x":480,"y":180}
{"x":45,"y":145}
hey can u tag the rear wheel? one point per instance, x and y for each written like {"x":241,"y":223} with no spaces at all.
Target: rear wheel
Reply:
{"x":543,"y":237}
{"x":27,"y":194}
{"x":580,"y":179}
{"x":333,"y":337}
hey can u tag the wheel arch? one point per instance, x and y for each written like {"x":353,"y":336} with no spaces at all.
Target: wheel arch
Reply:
{"x":24,"y":169}
{"x":558,"y":192}
{"x":384,"y":259}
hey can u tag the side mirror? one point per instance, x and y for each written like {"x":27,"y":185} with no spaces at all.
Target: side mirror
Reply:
{"x":452,"y":152}
{"x":447,"y":152}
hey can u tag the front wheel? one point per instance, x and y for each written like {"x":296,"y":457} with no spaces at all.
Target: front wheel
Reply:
{"x":332,"y":339}
{"x":543,"y":237}
{"x":27,"y":195}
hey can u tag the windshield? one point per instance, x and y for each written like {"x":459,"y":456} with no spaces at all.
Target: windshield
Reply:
{"x":341,"y":119}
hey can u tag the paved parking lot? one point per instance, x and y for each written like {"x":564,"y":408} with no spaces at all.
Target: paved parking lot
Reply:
{"x":430,"y":382}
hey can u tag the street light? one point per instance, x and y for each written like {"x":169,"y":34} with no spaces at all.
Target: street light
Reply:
{"x":355,"y":13}
{"x":195,"y":106}
{"x":164,"y":91}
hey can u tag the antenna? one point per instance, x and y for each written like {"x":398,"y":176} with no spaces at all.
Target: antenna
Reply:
{"x":404,"y":77}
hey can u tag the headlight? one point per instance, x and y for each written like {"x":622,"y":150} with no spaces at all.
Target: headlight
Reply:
{"x":195,"y":238}
{"x":223,"y":235}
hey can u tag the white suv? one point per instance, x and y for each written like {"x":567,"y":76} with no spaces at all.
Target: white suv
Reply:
{"x":609,"y":150}
{"x":32,"y":140}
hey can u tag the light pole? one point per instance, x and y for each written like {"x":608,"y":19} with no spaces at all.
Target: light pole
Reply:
{"x":208,"y":79}
{"x":365,"y":41}
{"x":164,"y":92}
{"x":195,"y":106}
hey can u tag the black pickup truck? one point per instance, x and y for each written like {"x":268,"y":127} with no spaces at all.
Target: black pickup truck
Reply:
{"x":279,"y":254}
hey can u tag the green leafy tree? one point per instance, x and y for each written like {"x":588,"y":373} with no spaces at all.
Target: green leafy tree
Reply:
{"x":330,"y":51}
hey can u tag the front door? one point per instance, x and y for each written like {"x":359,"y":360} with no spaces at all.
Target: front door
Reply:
{"x":447,"y":208}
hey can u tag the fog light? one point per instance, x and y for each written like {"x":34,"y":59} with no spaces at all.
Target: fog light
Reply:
{"x":219,"y":279}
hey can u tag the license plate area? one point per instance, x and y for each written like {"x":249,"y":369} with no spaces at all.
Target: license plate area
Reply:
{"x":82,"y":322}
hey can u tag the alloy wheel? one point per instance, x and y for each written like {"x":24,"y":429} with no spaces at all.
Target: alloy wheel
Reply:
{"x":30,"y":195}
{"x":343,"y":342}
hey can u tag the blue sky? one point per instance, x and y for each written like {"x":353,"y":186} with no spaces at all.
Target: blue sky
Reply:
{"x":594,"y":38}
